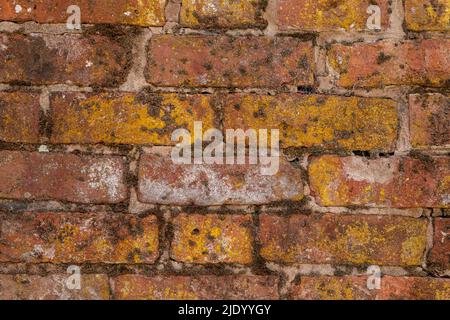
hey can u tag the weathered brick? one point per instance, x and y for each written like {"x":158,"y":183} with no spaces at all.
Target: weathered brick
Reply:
{"x":137,"y":287}
{"x":223,"y":14}
{"x":141,"y":13}
{"x":427,"y":15}
{"x":329,"y":15}
{"x":429,"y":120}
{"x":402,"y":182}
{"x":226,"y":61}
{"x":69,"y":58}
{"x":212,"y":238}
{"x":163,"y":182}
{"x":57,"y":237}
{"x":19,"y":117}
{"x":383,"y":63}
{"x":329,"y":122}
{"x":53,"y":287}
{"x":67,"y":177}
{"x":343,"y":239}
{"x":355,"y":288}
{"x":440,"y":253}
{"x":126,"y":118}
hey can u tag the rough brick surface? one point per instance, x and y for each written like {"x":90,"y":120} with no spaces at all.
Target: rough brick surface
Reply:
{"x":53,"y":287}
{"x":136,"y":12}
{"x":19,"y":117}
{"x":223,"y":14}
{"x":329,"y":15}
{"x":427,"y":15}
{"x":385,"y":182}
{"x":346,"y":239}
{"x":163,"y":182}
{"x":355,"y":288}
{"x":212,"y":238}
{"x":225,"y":61}
{"x":440,"y":253}
{"x":67,"y":177}
{"x":127,"y":118}
{"x":78,"y":238}
{"x":329,"y":122}
{"x":132,"y":287}
{"x":429,"y":120}
{"x":387,"y":62}
{"x":69,"y":58}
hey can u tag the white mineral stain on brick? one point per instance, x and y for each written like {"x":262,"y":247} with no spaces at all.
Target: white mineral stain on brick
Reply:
{"x":106,"y":175}
{"x":372,"y":171}
{"x":18,"y":8}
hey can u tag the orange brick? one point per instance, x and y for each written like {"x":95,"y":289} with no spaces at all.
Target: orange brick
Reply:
{"x":385,"y":63}
{"x":234,"y":287}
{"x":440,"y":253}
{"x":427,"y":15}
{"x":134,"y":12}
{"x":212,"y":238}
{"x":343,"y":239}
{"x":329,"y":15}
{"x":226,"y":61}
{"x":327,"y":122}
{"x":53,"y":287}
{"x":401,"y":182}
{"x":429,"y":120}
{"x":19,"y":117}
{"x":57,"y":237}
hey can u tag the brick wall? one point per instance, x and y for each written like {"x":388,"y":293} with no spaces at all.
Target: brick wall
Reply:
{"x":86,"y":179}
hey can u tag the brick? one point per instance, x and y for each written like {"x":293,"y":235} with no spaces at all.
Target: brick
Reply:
{"x":440,"y":253}
{"x":226,"y":61}
{"x":343,"y":239}
{"x":163,"y":182}
{"x":400,"y":182}
{"x":355,"y":288}
{"x":328,"y":122}
{"x":429,"y":120}
{"x":427,"y":15}
{"x":140,"y":13}
{"x":233,"y":287}
{"x":66,"y":177}
{"x":223,"y":14}
{"x":127,"y":118}
{"x":212,"y":238}
{"x":329,"y":15}
{"x":53,"y":287}
{"x":385,"y":63}
{"x":19,"y":117}
{"x":57,"y":237}
{"x":67,"y":59}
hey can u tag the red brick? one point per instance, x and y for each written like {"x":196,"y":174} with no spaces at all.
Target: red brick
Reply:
{"x":401,"y":182}
{"x":384,"y":63}
{"x":69,"y":59}
{"x":141,"y":12}
{"x":127,"y":118}
{"x":67,"y":177}
{"x":343,"y":239}
{"x":233,"y":287}
{"x":19,"y":117}
{"x":163,"y":182}
{"x":223,"y":14}
{"x":427,"y":15}
{"x":429,"y":120}
{"x":318,"y":121}
{"x":328,"y":15}
{"x":355,"y":288}
{"x":225,"y":61}
{"x":53,"y":287}
{"x":440,"y":253}
{"x":58,"y":237}
{"x":212,"y":238}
